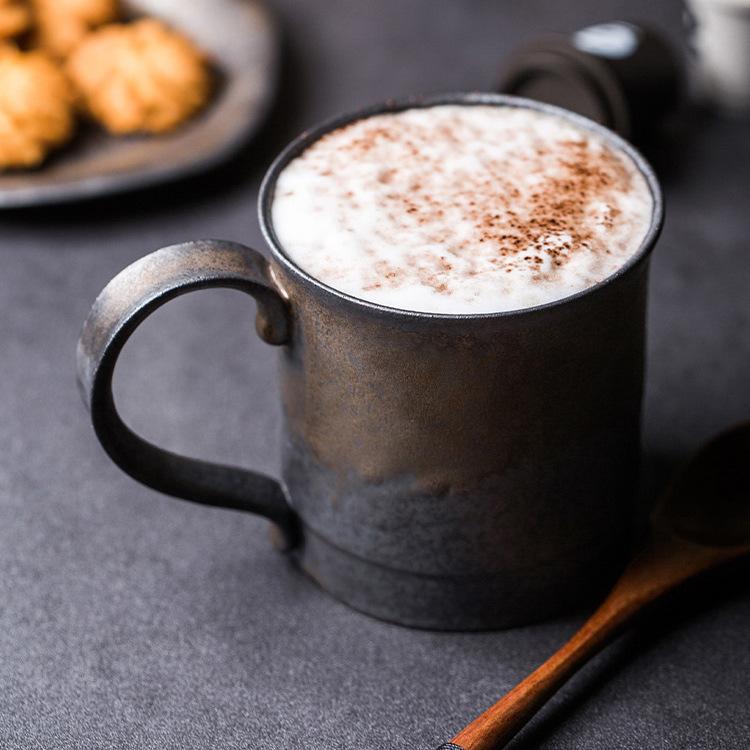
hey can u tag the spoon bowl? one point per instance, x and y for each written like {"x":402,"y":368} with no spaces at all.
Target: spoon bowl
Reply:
{"x":709,"y":501}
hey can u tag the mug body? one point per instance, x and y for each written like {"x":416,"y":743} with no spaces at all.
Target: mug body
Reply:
{"x":461,"y":471}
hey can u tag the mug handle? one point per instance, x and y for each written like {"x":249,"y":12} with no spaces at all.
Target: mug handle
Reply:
{"x":121,"y":307}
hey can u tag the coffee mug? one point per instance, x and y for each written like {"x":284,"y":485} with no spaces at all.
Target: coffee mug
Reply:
{"x":439,"y":471}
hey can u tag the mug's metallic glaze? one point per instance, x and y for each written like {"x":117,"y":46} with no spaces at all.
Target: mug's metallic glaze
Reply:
{"x":443,"y":471}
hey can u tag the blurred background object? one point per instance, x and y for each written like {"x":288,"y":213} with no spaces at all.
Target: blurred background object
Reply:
{"x":624,"y":75}
{"x":154,"y":77}
{"x":140,"y":77}
{"x":720,"y":60}
{"x":58,"y":26}
{"x":36,"y":108}
{"x":15,"y":19}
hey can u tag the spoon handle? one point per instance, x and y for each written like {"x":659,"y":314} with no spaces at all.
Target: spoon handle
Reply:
{"x":665,"y":562}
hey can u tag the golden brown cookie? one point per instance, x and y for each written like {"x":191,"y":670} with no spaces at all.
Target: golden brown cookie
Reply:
{"x":36,"y":107}
{"x":61,"y":24}
{"x":140,"y":77}
{"x":15,"y":18}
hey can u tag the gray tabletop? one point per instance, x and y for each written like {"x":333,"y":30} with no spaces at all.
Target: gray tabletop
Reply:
{"x":130,"y":620}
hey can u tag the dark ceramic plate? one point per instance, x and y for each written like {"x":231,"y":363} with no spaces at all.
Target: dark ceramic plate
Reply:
{"x":241,"y":38}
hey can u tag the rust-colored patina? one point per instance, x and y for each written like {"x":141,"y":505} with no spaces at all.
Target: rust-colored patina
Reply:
{"x":445,"y":471}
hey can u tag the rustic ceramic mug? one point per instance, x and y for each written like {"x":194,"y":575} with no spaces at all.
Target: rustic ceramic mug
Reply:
{"x":442,"y":471}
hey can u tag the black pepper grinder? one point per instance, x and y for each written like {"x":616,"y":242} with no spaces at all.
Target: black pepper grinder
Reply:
{"x":623,"y":75}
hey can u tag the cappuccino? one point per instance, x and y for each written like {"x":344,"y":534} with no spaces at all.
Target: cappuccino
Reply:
{"x":461,"y":209}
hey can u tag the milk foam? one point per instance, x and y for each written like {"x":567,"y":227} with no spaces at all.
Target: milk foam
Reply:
{"x":461,"y":209}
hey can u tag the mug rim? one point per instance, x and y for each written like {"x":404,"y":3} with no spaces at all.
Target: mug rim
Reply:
{"x":308,"y":137}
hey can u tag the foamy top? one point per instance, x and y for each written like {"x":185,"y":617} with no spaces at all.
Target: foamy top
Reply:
{"x":461,"y":209}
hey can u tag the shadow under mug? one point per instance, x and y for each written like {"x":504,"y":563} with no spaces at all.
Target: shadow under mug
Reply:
{"x":441,"y":471}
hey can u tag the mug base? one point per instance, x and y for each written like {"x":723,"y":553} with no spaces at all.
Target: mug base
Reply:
{"x":491,"y":601}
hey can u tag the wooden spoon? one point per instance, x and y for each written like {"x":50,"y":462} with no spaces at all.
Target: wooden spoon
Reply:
{"x":703,"y":520}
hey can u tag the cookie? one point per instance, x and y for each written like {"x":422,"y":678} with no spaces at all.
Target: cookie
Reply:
{"x":140,"y":77}
{"x":36,"y":107}
{"x":15,"y":18}
{"x":60,"y":25}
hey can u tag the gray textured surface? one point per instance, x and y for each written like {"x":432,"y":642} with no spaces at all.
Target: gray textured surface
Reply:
{"x":134,"y":621}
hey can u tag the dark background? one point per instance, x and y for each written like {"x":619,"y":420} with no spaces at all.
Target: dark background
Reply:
{"x":133,"y":620}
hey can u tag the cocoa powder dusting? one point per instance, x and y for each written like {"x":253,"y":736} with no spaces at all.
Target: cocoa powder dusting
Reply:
{"x":517,"y":226}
